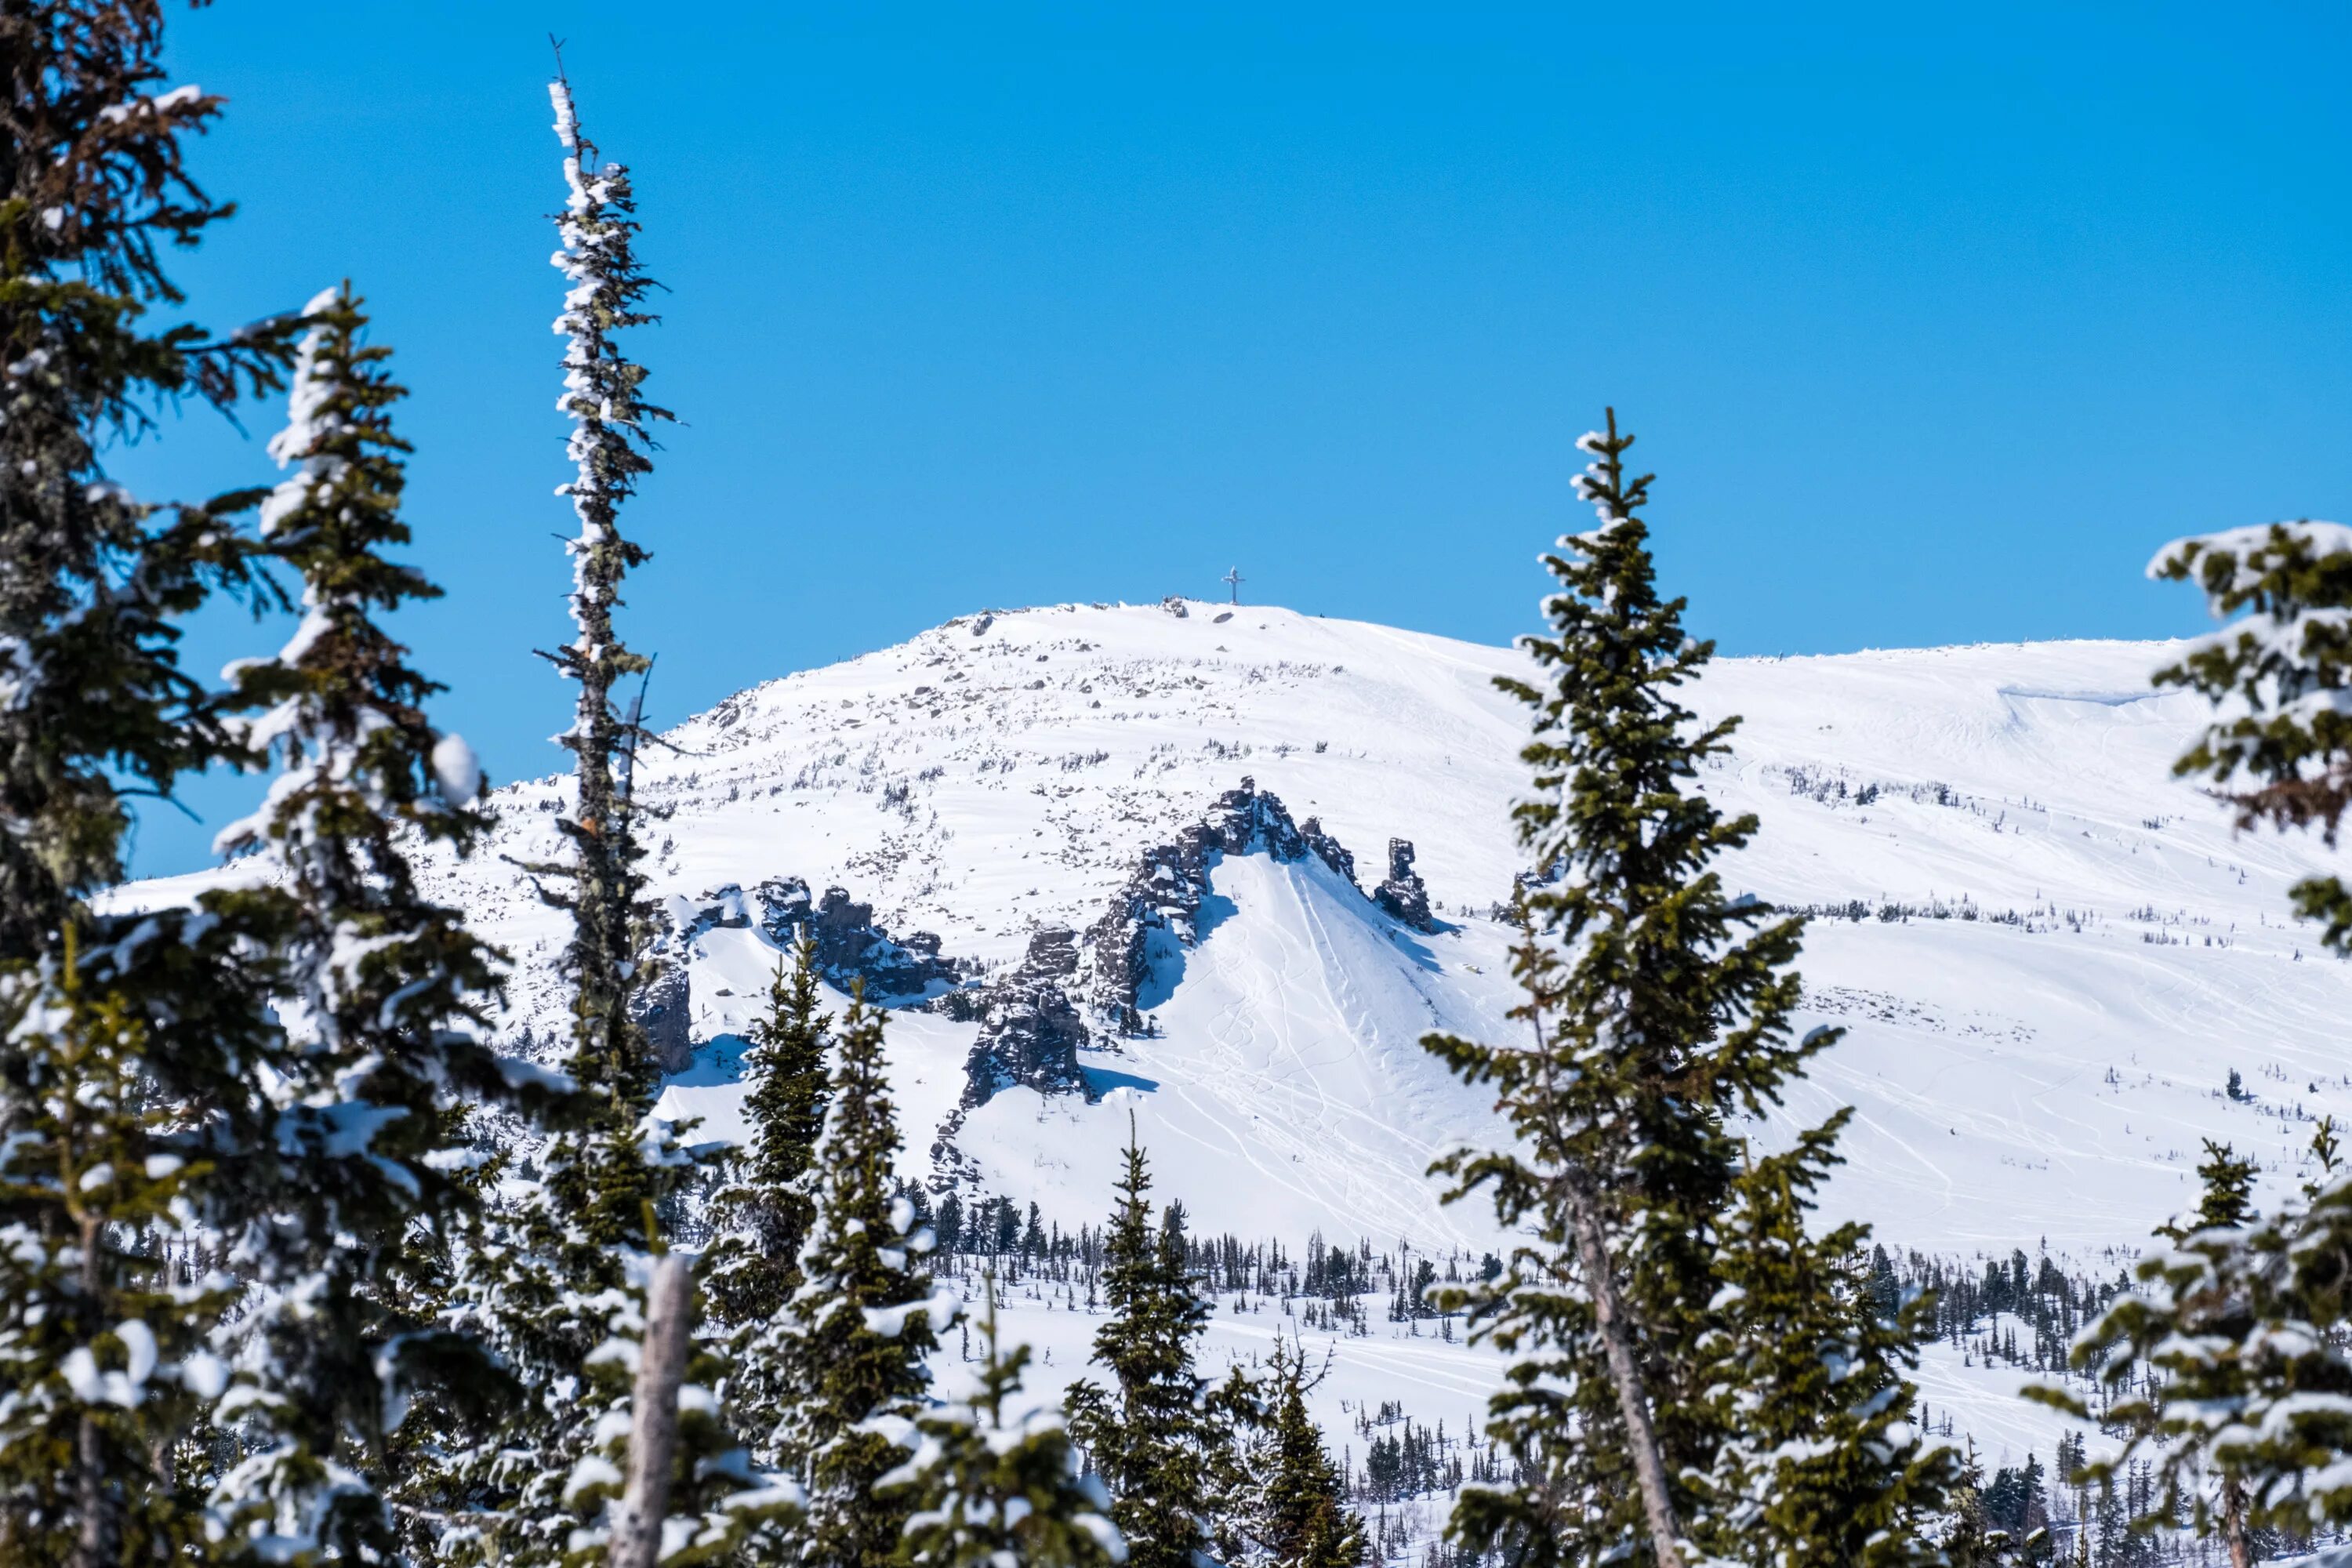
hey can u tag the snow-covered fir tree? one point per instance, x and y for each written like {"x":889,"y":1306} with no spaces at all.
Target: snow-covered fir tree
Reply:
{"x":761,"y":1215}
{"x":2245,"y":1428}
{"x":995,"y":1480}
{"x":850,"y":1347}
{"x":1822,"y":1460}
{"x":1298,"y":1515}
{"x":555,"y":1277}
{"x":131,"y":1047}
{"x":1657,"y":1006}
{"x":1157,"y":1433}
{"x":2281,"y":750}
{"x":385,"y":987}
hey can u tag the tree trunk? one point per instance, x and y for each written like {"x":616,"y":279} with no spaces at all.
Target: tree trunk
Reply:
{"x":1633,"y":1401}
{"x":2233,"y":1523}
{"x":652,"y":1434}
{"x":93,"y":1537}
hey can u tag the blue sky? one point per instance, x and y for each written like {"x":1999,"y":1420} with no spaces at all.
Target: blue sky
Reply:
{"x":1934,"y":321}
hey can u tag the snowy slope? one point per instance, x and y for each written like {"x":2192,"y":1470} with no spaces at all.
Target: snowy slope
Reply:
{"x":2045,"y":1069}
{"x":2051,"y":1077}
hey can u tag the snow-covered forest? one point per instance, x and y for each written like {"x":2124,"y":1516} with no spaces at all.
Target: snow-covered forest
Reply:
{"x":1175,"y":1085}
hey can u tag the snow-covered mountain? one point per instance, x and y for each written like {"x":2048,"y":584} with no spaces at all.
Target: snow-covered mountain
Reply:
{"x":1170,"y":862}
{"x":2048,"y":953}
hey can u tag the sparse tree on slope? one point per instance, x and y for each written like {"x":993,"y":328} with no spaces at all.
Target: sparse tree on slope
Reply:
{"x":1657,"y":1007}
{"x":994,"y":1484}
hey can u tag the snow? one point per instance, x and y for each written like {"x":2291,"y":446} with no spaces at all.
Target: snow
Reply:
{"x":2048,"y":1079}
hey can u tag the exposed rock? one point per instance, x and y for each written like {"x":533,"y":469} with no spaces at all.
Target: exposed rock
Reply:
{"x":1402,"y":895}
{"x":1166,"y":890}
{"x":1030,"y":1033}
{"x":665,"y":1010}
{"x":1174,"y":605}
{"x":850,"y":946}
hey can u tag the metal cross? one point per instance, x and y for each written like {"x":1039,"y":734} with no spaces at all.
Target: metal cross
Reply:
{"x":1233,"y":579}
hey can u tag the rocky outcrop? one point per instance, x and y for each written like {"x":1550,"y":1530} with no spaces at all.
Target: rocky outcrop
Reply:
{"x":1030,"y":1033}
{"x":1165,"y":891}
{"x":1402,"y":895}
{"x":665,"y":1011}
{"x":850,"y":946}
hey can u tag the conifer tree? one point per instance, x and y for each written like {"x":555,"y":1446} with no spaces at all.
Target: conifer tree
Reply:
{"x":762,"y":1214}
{"x":851,"y":1345}
{"x":555,"y":1278}
{"x":130,"y":1044}
{"x":603,"y":1181}
{"x":1301,"y":1518}
{"x":992,"y":1484}
{"x":1821,"y":1461}
{"x":2283,"y":753}
{"x":2245,"y":1319}
{"x":1657,"y":1007}
{"x":1159,"y":1434}
{"x":387,"y":988}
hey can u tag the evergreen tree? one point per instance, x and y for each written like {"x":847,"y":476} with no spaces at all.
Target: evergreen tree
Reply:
{"x":1820,"y":1462}
{"x":1160,"y":1435}
{"x":604,"y":1180}
{"x":555,"y":1278}
{"x":1658,"y":1006}
{"x":386,"y":985}
{"x":130,"y":1044}
{"x":851,"y":1345}
{"x":992,"y":1485}
{"x":1301,"y":1518}
{"x":2284,"y":752}
{"x":762,"y":1214}
{"x":2245,"y":1319}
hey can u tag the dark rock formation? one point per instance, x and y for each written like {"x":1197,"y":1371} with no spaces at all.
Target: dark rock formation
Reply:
{"x":850,"y":946}
{"x":665,"y":1011}
{"x":1030,"y":1034}
{"x":1165,"y":892}
{"x":1402,"y":895}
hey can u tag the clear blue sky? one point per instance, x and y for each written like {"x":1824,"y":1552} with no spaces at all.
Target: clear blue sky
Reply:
{"x":1932,"y":327}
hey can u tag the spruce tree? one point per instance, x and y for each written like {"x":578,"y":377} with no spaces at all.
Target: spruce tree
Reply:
{"x":604,"y":1183}
{"x":555,"y":1277}
{"x":1300,"y":1518}
{"x":132,"y":1045}
{"x":1657,"y":1007}
{"x":992,"y":1483}
{"x":1821,"y":1461}
{"x":2245,"y":1318}
{"x":762,"y":1216}
{"x":1159,"y":1434}
{"x":850,"y":1348}
{"x":387,"y":988}
{"x":2282,"y":751}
